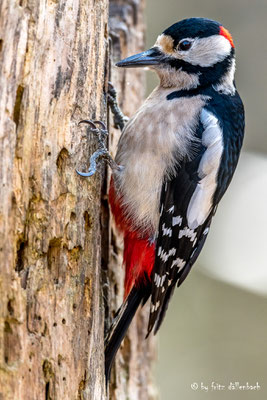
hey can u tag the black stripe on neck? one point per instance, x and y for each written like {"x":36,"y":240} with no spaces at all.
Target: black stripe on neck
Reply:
{"x":207,"y":90}
{"x":185,"y":93}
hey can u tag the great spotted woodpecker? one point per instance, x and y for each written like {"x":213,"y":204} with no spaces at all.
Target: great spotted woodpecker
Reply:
{"x":175,"y":159}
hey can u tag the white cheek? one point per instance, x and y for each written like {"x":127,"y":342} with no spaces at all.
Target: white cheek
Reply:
{"x":206,"y":52}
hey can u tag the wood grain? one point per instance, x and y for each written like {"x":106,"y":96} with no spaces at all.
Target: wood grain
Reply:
{"x":55,"y":236}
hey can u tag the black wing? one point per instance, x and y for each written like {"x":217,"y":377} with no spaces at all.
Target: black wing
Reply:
{"x":179,"y":245}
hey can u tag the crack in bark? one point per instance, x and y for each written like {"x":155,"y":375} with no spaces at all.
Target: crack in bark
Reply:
{"x":17,"y":106}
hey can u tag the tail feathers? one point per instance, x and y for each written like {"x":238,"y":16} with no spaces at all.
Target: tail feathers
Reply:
{"x":120,"y":325}
{"x":163,"y":309}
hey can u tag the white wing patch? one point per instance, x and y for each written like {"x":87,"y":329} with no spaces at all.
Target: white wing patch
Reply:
{"x":201,"y":202}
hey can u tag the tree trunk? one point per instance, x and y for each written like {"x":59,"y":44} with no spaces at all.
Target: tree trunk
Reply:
{"x":58,"y":252}
{"x":132,"y":376}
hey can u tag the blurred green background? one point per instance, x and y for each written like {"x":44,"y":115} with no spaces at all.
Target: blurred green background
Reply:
{"x":215,"y":329}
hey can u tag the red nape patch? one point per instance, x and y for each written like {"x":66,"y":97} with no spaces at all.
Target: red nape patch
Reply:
{"x":224,"y":32}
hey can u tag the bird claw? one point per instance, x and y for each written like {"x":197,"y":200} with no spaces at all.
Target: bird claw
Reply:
{"x":93,"y":128}
{"x":102,"y":151}
{"x":119,"y":118}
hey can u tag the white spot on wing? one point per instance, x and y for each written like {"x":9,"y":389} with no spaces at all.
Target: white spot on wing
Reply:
{"x":171,"y":210}
{"x":164,"y":256}
{"x":157,"y":280}
{"x":206,"y":231}
{"x":177,"y":220}
{"x":179,"y":262}
{"x":162,"y":280}
{"x":166,"y":231}
{"x":187,"y":232}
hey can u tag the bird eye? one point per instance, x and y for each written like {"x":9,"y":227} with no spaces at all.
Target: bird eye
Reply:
{"x":184,"y":45}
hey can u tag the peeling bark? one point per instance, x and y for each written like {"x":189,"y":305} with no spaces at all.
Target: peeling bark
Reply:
{"x":54,"y":225}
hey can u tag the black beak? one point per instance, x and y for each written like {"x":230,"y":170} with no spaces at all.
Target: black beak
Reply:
{"x":150,"y":57}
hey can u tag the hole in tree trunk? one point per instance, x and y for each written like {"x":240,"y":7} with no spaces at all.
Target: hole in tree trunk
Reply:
{"x":47,"y":397}
{"x":16,"y":111}
{"x":20,"y":256}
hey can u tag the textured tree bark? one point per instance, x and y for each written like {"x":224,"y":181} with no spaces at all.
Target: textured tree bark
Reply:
{"x":54,"y":225}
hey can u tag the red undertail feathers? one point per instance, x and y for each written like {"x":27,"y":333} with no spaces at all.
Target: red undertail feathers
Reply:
{"x":139,"y":253}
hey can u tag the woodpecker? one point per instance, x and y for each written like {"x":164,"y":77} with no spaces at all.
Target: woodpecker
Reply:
{"x":175,"y":159}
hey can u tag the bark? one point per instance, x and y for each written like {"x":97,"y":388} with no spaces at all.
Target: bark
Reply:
{"x":55,"y":233}
{"x":132,"y":375}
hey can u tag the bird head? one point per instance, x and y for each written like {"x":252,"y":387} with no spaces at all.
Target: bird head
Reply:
{"x":193,"y":52}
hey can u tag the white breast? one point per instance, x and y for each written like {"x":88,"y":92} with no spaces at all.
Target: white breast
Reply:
{"x":153,"y":140}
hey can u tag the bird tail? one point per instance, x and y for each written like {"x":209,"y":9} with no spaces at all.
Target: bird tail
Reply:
{"x":120,"y":324}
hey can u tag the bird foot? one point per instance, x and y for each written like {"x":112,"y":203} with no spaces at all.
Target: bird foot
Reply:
{"x":119,"y":118}
{"x":102,"y":152}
